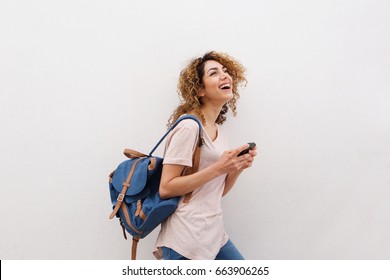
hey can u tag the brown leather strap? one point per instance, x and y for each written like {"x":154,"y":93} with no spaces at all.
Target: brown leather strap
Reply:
{"x":127,"y":217}
{"x":111,"y":175}
{"x":142,"y":215}
{"x":134,"y":248}
{"x":126,"y":185}
{"x":196,"y":157}
{"x":194,"y":168}
{"x":187,"y":197}
{"x":139,"y":208}
{"x":133,"y":154}
{"x":123,"y":229}
{"x":152,"y":163}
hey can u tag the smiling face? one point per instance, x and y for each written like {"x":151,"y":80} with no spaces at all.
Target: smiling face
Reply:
{"x":199,"y":87}
{"x":217,"y":84}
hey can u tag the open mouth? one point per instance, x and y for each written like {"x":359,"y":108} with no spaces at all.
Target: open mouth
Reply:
{"x":225,"y":86}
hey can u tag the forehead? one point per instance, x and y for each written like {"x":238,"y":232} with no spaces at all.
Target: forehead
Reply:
{"x":212,"y":64}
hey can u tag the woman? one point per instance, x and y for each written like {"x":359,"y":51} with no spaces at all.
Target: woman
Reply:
{"x":208,"y":87}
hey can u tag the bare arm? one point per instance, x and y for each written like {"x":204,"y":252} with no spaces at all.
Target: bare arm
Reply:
{"x":173,"y":184}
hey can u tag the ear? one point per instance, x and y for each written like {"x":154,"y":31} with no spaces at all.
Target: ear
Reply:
{"x":201,"y":92}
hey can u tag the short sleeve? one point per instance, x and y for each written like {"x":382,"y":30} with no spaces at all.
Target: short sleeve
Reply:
{"x":181,"y":143}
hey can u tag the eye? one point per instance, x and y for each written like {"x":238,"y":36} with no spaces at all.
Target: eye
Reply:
{"x":213,"y":73}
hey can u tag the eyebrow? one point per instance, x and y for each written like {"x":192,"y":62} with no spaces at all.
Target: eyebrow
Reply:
{"x":213,"y":68}
{"x":216,"y":68}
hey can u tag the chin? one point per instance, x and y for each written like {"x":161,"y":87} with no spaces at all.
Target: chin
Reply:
{"x":229,"y":96}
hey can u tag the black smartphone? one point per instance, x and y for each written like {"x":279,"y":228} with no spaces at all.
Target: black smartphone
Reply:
{"x":251,"y":146}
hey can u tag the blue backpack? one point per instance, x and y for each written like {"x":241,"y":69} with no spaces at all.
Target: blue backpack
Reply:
{"x":134,"y":190}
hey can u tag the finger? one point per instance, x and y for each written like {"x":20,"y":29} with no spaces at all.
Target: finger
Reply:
{"x":240,"y":149}
{"x":253,"y":153}
{"x":246,"y":164}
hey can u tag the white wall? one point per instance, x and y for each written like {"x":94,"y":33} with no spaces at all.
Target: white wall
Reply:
{"x":81,"y":80}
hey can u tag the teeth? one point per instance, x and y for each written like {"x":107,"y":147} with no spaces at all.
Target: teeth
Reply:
{"x":225,"y":86}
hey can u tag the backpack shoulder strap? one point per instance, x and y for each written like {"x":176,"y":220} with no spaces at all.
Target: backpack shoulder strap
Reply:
{"x":192,"y":117}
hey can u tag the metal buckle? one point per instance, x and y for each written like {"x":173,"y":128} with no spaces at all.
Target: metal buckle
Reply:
{"x":120,"y":198}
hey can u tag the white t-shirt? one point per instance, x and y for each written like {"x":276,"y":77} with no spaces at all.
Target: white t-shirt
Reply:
{"x":195,"y":230}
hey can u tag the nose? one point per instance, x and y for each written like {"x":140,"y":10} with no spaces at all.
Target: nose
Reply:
{"x":224,"y":75}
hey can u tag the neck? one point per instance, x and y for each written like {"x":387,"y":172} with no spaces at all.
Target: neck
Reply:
{"x":210,"y":114}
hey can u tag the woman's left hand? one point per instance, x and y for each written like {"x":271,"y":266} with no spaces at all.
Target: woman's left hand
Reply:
{"x":249,"y":158}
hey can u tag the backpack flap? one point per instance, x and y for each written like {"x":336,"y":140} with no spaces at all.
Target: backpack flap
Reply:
{"x":138,"y":178}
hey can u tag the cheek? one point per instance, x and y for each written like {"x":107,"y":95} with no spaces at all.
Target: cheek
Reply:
{"x":206,"y":85}
{"x":211,"y":82}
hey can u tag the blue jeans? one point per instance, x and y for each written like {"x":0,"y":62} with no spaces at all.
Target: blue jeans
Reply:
{"x":227,"y":252}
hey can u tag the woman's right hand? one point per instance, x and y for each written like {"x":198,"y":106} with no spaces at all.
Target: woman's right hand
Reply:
{"x":230,"y":162}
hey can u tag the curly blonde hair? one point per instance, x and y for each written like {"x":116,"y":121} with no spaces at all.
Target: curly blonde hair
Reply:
{"x":190,"y":82}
